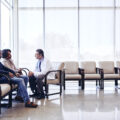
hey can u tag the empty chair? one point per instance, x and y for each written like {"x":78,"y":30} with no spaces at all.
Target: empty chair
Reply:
{"x":90,"y":72}
{"x":109,"y":72}
{"x":72,"y":72}
{"x":56,"y":81}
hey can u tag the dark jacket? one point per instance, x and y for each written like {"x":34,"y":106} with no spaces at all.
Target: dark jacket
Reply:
{"x":5,"y":70}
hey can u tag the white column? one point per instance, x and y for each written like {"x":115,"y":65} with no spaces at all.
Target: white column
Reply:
{"x":15,"y":41}
{"x":0,"y":24}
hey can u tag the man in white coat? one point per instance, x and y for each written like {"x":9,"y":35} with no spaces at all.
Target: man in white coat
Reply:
{"x":36,"y":78}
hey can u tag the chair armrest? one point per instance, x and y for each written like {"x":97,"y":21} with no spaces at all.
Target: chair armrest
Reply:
{"x":81,"y":71}
{"x":25,"y":70}
{"x":117,"y":70}
{"x":99,"y":70}
{"x":51,"y":71}
{"x":8,"y":82}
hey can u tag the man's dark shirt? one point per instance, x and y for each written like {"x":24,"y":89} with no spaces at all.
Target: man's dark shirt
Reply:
{"x":5,"y":70}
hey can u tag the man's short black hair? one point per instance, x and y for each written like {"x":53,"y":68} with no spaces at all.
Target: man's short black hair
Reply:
{"x":40,"y":51}
{"x":5,"y":53}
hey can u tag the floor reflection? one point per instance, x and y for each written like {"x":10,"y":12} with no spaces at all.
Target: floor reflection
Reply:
{"x":74,"y":104}
{"x":94,"y":104}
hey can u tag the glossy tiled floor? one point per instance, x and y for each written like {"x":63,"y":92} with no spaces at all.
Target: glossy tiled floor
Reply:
{"x":74,"y":104}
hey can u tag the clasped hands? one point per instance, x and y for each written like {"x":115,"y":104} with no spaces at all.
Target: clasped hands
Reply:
{"x":12,"y":75}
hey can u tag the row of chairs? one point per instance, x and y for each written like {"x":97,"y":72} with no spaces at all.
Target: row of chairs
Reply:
{"x":88,"y":70}
{"x":68,"y":71}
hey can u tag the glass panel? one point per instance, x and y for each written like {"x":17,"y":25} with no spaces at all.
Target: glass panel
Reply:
{"x":30,"y":3}
{"x":5,"y":27}
{"x":62,"y":34}
{"x":118,"y":3}
{"x":96,"y":34}
{"x":117,"y":45}
{"x":61,"y":3}
{"x":95,"y":3}
{"x":30,"y":35}
{"x":8,"y":3}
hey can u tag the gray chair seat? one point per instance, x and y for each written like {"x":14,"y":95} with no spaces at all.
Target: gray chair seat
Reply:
{"x":5,"y":88}
{"x":111,"y":76}
{"x":53,"y":81}
{"x":92,"y":76}
{"x":73,"y":76}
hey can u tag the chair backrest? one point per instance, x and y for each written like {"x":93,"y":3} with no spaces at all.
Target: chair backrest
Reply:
{"x":107,"y":66}
{"x":118,"y":64}
{"x":61,"y":66}
{"x":57,"y":75}
{"x":89,"y":67}
{"x":71,"y":67}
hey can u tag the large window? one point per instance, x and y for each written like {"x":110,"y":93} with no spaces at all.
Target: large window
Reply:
{"x":61,"y":30}
{"x":30,"y":31}
{"x":6,"y":24}
{"x":96,"y":3}
{"x":68,"y":31}
{"x":117,"y":33}
{"x":96,"y":34}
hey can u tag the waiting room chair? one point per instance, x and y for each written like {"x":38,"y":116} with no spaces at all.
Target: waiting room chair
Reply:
{"x":91,"y":72}
{"x":5,"y":90}
{"x":56,"y":81}
{"x":72,"y":72}
{"x":109,"y":72}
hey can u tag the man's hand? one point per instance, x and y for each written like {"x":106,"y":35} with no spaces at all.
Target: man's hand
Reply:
{"x":17,"y":74}
{"x":30,"y":73}
{"x":20,"y":71}
{"x":11,"y":74}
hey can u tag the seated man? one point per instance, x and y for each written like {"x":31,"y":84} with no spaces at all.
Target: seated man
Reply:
{"x":7,"y":61}
{"x":36,"y":78}
{"x":19,"y":81}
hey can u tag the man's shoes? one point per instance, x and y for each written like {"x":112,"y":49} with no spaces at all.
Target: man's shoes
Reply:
{"x":19,"y":98}
{"x":40,"y":96}
{"x":34,"y":95}
{"x":30,"y":105}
